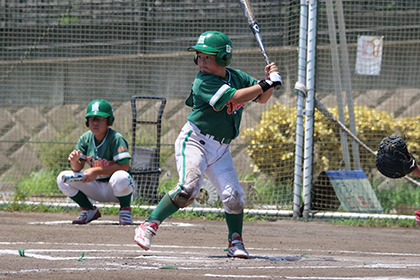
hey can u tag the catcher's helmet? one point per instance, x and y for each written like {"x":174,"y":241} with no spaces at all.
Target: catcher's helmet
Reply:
{"x":215,"y":43}
{"x":100,"y":108}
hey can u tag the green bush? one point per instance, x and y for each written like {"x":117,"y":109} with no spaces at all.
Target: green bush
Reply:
{"x":271,"y":143}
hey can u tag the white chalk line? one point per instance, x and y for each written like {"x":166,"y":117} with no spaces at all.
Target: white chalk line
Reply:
{"x":109,"y":222}
{"x":211,"y":248}
{"x":111,"y":245}
{"x":357,"y":252}
{"x":151,"y":254}
{"x":33,"y":253}
{"x":49,"y":270}
{"x":120,"y":267}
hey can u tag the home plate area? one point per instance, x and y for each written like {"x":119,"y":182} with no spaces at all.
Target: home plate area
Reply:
{"x":196,"y":249}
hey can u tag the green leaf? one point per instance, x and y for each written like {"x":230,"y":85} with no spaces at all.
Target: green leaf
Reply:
{"x":82,"y":257}
{"x":21,"y":252}
{"x":169,"y":267}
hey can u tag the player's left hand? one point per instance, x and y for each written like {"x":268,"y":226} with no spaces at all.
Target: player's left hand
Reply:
{"x":90,"y":175}
{"x":393,"y":159}
{"x":276,"y":79}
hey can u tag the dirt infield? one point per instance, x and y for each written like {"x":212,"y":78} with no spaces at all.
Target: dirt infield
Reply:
{"x":194,"y":249}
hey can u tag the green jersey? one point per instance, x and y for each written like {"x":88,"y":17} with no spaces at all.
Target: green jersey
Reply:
{"x":113,"y":149}
{"x":211,"y":111}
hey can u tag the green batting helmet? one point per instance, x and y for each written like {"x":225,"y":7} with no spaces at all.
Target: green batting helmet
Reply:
{"x":100,"y":108}
{"x":215,"y":43}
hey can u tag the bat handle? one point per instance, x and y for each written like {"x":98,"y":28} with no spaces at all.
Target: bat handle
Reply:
{"x":267,"y":60}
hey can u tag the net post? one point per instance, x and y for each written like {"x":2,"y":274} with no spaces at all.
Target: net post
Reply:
{"x":301,"y":93}
{"x":310,"y":104}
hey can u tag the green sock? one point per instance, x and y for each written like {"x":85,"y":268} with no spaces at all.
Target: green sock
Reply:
{"x":83,"y":201}
{"x":163,"y":210}
{"x":125,"y":201}
{"x":234,"y":223}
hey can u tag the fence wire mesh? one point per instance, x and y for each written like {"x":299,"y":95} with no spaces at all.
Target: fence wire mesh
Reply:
{"x":57,"y":56}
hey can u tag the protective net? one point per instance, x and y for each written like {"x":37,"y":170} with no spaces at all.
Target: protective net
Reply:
{"x":57,"y":56}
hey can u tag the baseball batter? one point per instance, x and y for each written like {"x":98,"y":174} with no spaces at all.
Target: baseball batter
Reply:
{"x":217,"y":99}
{"x":108,"y":178}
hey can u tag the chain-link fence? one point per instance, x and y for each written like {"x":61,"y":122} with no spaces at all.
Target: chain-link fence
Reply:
{"x":57,"y":56}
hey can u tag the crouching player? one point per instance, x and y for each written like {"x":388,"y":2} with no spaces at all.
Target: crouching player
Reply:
{"x":107,"y":179}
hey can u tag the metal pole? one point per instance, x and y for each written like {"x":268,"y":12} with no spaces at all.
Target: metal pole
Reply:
{"x":301,"y":92}
{"x":309,"y":111}
{"x":347,"y":82}
{"x":337,"y":82}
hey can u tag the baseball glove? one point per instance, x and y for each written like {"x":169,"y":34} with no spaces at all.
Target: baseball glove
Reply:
{"x":393,"y":159}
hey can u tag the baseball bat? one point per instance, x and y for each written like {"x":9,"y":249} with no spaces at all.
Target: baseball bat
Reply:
{"x":253,"y":24}
{"x":78,"y":176}
{"x":73,"y":178}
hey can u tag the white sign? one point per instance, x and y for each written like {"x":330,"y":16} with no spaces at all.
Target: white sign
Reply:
{"x":354,"y":191}
{"x":369,"y":55}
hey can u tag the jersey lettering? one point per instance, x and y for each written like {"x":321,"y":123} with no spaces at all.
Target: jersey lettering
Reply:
{"x":232,"y":107}
{"x":122,"y":149}
{"x":100,"y":162}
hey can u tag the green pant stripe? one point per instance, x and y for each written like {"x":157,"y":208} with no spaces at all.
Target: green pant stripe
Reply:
{"x":183,"y":156}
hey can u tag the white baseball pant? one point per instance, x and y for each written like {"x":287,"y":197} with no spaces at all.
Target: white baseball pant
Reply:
{"x":197,"y":155}
{"x":120,"y":184}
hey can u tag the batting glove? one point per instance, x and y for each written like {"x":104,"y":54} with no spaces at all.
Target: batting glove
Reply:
{"x":273,"y":80}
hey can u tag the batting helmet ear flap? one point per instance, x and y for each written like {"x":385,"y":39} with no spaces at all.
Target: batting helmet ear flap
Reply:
{"x":111,"y":120}
{"x":224,"y":57}
{"x":195,"y":58}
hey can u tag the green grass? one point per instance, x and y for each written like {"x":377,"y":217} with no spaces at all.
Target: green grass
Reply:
{"x":13,"y":206}
{"x":399,"y":196}
{"x":372,"y":222}
{"x":43,"y":182}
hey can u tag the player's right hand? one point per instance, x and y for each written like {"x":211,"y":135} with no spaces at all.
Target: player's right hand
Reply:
{"x":74,"y":156}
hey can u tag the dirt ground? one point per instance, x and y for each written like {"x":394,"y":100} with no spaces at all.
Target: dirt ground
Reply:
{"x":53,"y":248}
